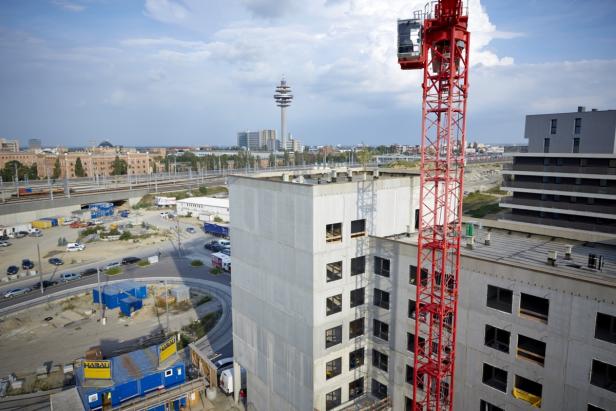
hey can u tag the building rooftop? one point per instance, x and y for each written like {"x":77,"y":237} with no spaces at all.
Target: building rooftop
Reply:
{"x":531,"y":251}
{"x":209,"y":201}
{"x":332,"y":175}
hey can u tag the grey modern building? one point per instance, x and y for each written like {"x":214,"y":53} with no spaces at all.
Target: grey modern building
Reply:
{"x":568,"y":175}
{"x":257,"y":140}
{"x":323,"y":302}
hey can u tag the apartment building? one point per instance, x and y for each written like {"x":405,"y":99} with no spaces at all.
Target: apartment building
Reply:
{"x":9,"y":145}
{"x":324,"y":268}
{"x":93,"y":163}
{"x":568,"y":176}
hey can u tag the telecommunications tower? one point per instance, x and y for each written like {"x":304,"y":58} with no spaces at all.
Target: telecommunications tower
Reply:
{"x":283,"y":99}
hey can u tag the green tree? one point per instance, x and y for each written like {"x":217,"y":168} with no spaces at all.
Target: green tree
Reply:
{"x":364,"y":156}
{"x":57,"y":170}
{"x":119,"y":167}
{"x":79,"y":171}
{"x":33,"y":172}
{"x":272,"y":160}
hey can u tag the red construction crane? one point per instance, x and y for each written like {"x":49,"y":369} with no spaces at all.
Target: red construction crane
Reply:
{"x":437,"y":41}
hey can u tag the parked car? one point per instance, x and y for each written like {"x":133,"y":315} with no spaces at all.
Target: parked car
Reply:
{"x":89,"y":271}
{"x":214,"y":247}
{"x":16,"y":292}
{"x":226,"y":251}
{"x":209,"y":245}
{"x":55,"y":261}
{"x":4,"y":244}
{"x":35,"y":232}
{"x":75,"y":247}
{"x":21,"y":234}
{"x":4,"y":237}
{"x":12,"y":270}
{"x":130,"y":260}
{"x":66,"y":277}
{"x":191,"y":230}
{"x":112,"y":265}
{"x":69,"y":221}
{"x":46,"y":284}
{"x":27,"y":264}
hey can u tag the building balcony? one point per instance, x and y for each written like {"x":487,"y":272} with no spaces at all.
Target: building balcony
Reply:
{"x":576,"y":225}
{"x":512,"y":202}
{"x":573,"y":188}
{"x":540,"y":169}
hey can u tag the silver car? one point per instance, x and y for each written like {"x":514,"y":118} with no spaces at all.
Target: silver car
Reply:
{"x":16,"y":292}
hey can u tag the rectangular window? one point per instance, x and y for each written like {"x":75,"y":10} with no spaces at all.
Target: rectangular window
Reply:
{"x":357,"y":297}
{"x":486,"y":406}
{"x":410,"y":342}
{"x":413,"y":276}
{"x":497,"y":338}
{"x":333,"y":399}
{"x":412,"y":310}
{"x":333,"y":336}
{"x":578,"y":126}
{"x":576,"y":145}
{"x":333,"y":368}
{"x":528,"y":390}
{"x":356,"y":358}
{"x":379,"y":390}
{"x":553,"y":125}
{"x":381,"y":266}
{"x":381,"y":298}
{"x":603,"y":375}
{"x":534,"y":307}
{"x":356,"y":328}
{"x":494,"y":377}
{"x":333,"y":232}
{"x":379,"y":360}
{"x":358,"y":228}
{"x":531,"y":349}
{"x":356,"y":388}
{"x":499,"y":298}
{"x":409,"y":377}
{"x":546,"y":145}
{"x":358,"y":265}
{"x":380,"y":330}
{"x":605,"y":328}
{"x":334,"y":271}
{"x":334,"y":304}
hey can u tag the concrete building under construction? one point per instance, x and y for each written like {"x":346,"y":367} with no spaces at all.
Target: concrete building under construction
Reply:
{"x":323,"y":267}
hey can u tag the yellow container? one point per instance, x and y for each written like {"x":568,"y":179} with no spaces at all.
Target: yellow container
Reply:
{"x":41,"y":224}
{"x":60,"y":220}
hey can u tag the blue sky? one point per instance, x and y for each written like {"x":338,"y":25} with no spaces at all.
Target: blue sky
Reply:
{"x":194,"y":72}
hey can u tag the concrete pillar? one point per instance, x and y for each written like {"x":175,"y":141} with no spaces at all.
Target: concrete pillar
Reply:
{"x":237,"y":381}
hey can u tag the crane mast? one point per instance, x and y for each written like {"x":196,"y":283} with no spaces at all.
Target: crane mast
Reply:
{"x":436,"y":41}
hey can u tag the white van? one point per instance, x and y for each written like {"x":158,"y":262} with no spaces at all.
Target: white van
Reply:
{"x":224,"y":243}
{"x":75,"y":247}
{"x":226,"y":380}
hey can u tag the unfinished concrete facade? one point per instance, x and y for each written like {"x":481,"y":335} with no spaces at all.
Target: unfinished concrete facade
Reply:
{"x":323,"y":313}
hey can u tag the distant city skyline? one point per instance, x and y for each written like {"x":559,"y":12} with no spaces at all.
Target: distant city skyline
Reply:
{"x":188,"y":72}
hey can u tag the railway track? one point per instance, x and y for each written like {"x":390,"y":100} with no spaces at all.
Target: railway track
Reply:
{"x":30,"y":402}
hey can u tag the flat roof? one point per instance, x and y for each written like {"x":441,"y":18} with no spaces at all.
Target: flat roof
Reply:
{"x":531,"y":251}
{"x":210,"y":201}
{"x":331,"y":175}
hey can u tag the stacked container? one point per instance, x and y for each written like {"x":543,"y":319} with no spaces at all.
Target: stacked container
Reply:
{"x":98,"y":210}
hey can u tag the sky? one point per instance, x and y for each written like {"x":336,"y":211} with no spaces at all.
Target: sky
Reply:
{"x":195,"y":72}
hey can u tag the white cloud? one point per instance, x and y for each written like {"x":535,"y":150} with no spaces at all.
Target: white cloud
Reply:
{"x":68,"y":5}
{"x":167,"y":11}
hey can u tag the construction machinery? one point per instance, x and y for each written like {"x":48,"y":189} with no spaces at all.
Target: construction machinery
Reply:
{"x":436,"y":40}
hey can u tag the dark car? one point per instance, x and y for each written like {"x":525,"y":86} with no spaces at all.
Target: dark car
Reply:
{"x":55,"y":261}
{"x":226,"y":251}
{"x":4,"y":238}
{"x":89,"y":271}
{"x":21,"y":234}
{"x":208,"y":246}
{"x":46,"y":284}
{"x":130,"y":260}
{"x":12,"y":270}
{"x":26,"y":264}
{"x":214,"y":246}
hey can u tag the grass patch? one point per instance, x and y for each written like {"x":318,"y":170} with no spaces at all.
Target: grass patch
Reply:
{"x":143,"y":263}
{"x":113,"y":271}
{"x":496,"y":191}
{"x":196,"y":263}
{"x":404,"y":164}
{"x":478,"y":205}
{"x":484,"y":210}
{"x":145,"y":202}
{"x":198,"y":329}
{"x":215,"y":271}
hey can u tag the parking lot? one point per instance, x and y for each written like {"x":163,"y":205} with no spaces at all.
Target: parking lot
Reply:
{"x":99,"y":253}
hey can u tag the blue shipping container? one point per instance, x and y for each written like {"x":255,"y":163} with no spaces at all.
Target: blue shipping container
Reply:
{"x":130,"y":304}
{"x":216,"y":229}
{"x":132,"y":374}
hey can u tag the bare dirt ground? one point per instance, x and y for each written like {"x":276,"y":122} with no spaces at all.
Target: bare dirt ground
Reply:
{"x":58,"y":333}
